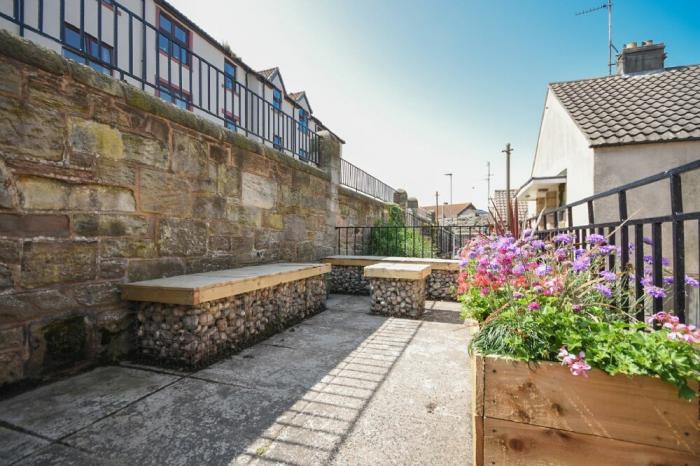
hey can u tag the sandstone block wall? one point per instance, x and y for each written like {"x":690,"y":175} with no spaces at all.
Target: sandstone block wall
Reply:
{"x":103,"y":184}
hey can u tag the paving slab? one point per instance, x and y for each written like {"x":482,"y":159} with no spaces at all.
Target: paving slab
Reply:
{"x":189,"y":422}
{"x":15,"y":445}
{"x":68,"y":405}
{"x":343,"y":387}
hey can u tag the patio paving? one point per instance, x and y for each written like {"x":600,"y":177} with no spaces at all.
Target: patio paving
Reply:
{"x":344,"y":387}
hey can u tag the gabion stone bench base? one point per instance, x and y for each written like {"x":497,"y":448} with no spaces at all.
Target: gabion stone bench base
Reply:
{"x":442,"y":285}
{"x":193,"y":335}
{"x":397,"y":290}
{"x":348,"y":279}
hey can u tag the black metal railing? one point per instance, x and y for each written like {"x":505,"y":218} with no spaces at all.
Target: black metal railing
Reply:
{"x":188,"y":80}
{"x":359,"y":180}
{"x":633,"y":234}
{"x":405,"y":241}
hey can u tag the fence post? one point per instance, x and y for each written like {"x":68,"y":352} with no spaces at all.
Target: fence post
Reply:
{"x":330,"y":152}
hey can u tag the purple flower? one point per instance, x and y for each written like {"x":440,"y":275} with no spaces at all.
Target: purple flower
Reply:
{"x":647,"y":240}
{"x":579,"y":252}
{"x":608,"y":276}
{"x":562,"y":238}
{"x":667,"y":281}
{"x":665,"y":262}
{"x":517,"y":295}
{"x":655,"y":291}
{"x":463,"y":263}
{"x":596,"y":239}
{"x":537,"y":244}
{"x":533,"y":306}
{"x":543,"y":270}
{"x":581,"y":264}
{"x":690,"y":281}
{"x":576,"y":307}
{"x":608,"y":249}
{"x":646,"y":281}
{"x":648,"y":259}
{"x":519,"y":269}
{"x":527,"y":232}
{"x":604,"y":290}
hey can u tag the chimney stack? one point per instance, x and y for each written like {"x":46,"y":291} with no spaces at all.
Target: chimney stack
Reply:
{"x":643,"y":58}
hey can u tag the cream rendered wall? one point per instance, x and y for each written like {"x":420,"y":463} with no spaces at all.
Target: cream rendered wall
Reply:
{"x":562,"y":147}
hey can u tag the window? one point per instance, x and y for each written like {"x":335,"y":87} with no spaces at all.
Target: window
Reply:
{"x":174,"y":96}
{"x":229,"y":76}
{"x":303,"y":121}
{"x":277,"y":99}
{"x":230,"y":121}
{"x":277,"y":142}
{"x":98,"y":53}
{"x":302,"y":154}
{"x":173,"y":39}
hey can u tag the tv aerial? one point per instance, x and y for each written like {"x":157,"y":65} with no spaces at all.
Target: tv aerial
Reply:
{"x":606,"y":6}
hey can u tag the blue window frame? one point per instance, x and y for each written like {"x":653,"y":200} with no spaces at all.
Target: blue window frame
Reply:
{"x":303,"y":121}
{"x":230,"y":121}
{"x":173,"y":39}
{"x":172,"y":95}
{"x":277,"y":142}
{"x":276,"y":99}
{"x":303,"y":154}
{"x":96,"y":53}
{"x":229,"y":76}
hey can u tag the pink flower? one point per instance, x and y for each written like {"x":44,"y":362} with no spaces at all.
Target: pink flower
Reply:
{"x":577,"y":364}
{"x":534,"y":306}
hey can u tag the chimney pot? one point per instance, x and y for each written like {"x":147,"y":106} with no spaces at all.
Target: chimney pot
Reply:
{"x":631,"y":45}
{"x":648,"y":42}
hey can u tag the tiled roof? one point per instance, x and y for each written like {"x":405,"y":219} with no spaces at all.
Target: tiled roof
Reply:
{"x":451,"y":210}
{"x":630,"y":109}
{"x":501,"y":202}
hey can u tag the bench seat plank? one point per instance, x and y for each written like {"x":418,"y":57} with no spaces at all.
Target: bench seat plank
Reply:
{"x":199,"y":288}
{"x":396,"y":271}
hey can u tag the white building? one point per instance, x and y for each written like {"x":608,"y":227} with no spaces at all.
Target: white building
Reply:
{"x":601,"y":133}
{"x":151,"y":45}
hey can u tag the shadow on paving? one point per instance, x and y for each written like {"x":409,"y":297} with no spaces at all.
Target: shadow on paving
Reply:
{"x":309,"y":395}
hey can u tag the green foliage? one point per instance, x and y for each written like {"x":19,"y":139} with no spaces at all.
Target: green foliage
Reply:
{"x":393,"y":238}
{"x":612,"y":345}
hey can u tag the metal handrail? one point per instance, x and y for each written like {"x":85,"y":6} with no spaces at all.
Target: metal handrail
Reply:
{"x":355,"y":178}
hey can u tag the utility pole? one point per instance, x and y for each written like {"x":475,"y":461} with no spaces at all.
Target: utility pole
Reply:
{"x":437,"y":219}
{"x":488,"y":185}
{"x":450,"y":175}
{"x":508,"y":150}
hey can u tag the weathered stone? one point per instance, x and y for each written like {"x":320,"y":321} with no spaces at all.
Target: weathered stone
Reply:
{"x":114,"y":172}
{"x":10,"y":251}
{"x":111,"y":225}
{"x":50,"y":194}
{"x":24,"y":226}
{"x":182,"y":237}
{"x":148,"y":269}
{"x":66,"y":342}
{"x":50,"y":301}
{"x":294,"y":228}
{"x":145,"y":150}
{"x":257,"y":191}
{"x":128,"y":248}
{"x":6,"y":279}
{"x":11,"y":338}
{"x":210,"y":207}
{"x":97,"y":294}
{"x":8,"y":192}
{"x":11,"y":366}
{"x":219,"y":243}
{"x":190,"y":156}
{"x":165,"y":194}
{"x":273,"y":220}
{"x":46,"y":263}
{"x":96,"y":197}
{"x":32,"y":131}
{"x":11,"y":82}
{"x":113,"y":268}
{"x":96,"y":138}
{"x":218,"y":154}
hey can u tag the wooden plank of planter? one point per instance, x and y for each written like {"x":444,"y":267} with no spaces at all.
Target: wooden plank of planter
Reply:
{"x":514,"y":443}
{"x":638,"y":409}
{"x":478,"y":411}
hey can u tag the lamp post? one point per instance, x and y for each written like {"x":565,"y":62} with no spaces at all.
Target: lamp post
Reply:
{"x":450,"y":175}
{"x":509,"y":212}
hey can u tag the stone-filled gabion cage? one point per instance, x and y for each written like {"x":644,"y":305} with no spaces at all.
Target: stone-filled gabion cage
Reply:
{"x":442,"y":285}
{"x":397,"y":297}
{"x":348,"y":279}
{"x":193,"y":336}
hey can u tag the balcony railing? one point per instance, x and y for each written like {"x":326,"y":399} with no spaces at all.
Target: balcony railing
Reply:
{"x":361,"y":181}
{"x":190,"y":80}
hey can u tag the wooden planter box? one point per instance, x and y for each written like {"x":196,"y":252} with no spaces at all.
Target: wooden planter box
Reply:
{"x":542,"y":415}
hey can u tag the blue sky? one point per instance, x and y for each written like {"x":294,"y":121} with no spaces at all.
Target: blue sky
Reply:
{"x":418,"y":88}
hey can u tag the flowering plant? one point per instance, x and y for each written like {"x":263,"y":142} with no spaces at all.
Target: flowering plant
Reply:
{"x":555,"y":301}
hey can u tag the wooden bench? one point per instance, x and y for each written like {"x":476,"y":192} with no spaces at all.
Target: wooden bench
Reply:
{"x":347,"y":276}
{"x":397,"y":289}
{"x":193,"y":319}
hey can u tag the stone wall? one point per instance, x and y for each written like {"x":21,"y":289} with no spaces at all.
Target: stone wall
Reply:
{"x":104,"y":184}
